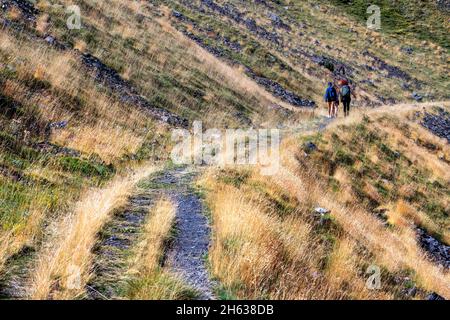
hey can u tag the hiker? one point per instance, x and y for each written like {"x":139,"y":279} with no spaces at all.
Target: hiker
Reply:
{"x":331,"y":97}
{"x":346,"y":97}
{"x":335,"y":107}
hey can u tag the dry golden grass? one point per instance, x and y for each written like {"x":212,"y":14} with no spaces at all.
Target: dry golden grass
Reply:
{"x":106,"y":128}
{"x":14,"y":13}
{"x":416,"y":153}
{"x":170,"y":52}
{"x":403,"y":214}
{"x":98,"y":124}
{"x":65,"y":93}
{"x":13,"y":240}
{"x":424,"y":151}
{"x":80,"y":45}
{"x":258,"y":254}
{"x":262,"y":243}
{"x":217,"y":69}
{"x":63,"y":72}
{"x":42,"y":23}
{"x":156,"y":232}
{"x":58,"y":68}
{"x":70,"y":249}
{"x":342,"y":268}
{"x":110,"y":143}
{"x":400,"y":110}
{"x":394,"y":250}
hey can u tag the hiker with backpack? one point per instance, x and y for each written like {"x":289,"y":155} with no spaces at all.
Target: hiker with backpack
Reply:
{"x":346,"y":97}
{"x":335,"y":107}
{"x":331,"y":97}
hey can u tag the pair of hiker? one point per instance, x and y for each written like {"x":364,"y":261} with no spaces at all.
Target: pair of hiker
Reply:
{"x":332,"y":98}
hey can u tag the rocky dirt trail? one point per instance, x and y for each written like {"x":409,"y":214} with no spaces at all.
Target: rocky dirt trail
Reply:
{"x":116,"y":240}
{"x":185,"y":257}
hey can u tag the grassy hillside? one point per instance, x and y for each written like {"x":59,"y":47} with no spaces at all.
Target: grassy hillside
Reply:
{"x":280,"y":41}
{"x":388,"y":164}
{"x":378,"y":181}
{"x":164,"y":66}
{"x":62,"y":131}
{"x":427,"y":21}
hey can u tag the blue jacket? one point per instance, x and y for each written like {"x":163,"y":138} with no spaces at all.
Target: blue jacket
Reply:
{"x":331,"y":95}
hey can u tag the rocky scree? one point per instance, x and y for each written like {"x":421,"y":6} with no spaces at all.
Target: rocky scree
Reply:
{"x":438,"y":124}
{"x":437,"y":251}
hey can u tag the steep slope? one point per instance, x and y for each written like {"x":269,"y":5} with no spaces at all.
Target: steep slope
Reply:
{"x":71,"y":120}
{"x":281,"y":42}
{"x":365,"y":196}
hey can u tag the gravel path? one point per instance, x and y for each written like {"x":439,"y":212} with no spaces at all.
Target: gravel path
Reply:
{"x":185,"y":257}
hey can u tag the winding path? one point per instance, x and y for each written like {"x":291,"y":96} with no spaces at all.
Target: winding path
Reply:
{"x":186,"y":257}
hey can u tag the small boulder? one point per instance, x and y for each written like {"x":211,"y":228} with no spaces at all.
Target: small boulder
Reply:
{"x":309,"y":147}
{"x":321,"y":211}
{"x":59,"y":124}
{"x":412,"y":292}
{"x":434,"y":296}
{"x":50,"y":39}
{"x":417,"y":97}
{"x":407,"y":50}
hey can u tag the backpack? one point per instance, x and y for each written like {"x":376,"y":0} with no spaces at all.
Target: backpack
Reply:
{"x":345,"y":92}
{"x":331,"y":94}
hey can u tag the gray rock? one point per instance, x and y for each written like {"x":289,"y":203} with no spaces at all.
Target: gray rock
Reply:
{"x":127,"y":93}
{"x":436,"y":251}
{"x":438,"y":124}
{"x":59,"y":125}
{"x":417,"y":97}
{"x":321,"y":211}
{"x":309,"y":147}
{"x":51,"y":40}
{"x":277,"y":90}
{"x":412,"y":292}
{"x":443,"y":5}
{"x":393,"y":71}
{"x":233,"y":13}
{"x":434,"y":296}
{"x":408,"y":50}
{"x":277,"y":22}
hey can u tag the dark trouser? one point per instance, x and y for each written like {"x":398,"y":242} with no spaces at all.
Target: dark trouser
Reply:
{"x":346,"y":103}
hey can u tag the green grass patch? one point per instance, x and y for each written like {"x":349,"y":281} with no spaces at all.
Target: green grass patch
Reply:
{"x":85,"y":167}
{"x":159,"y":285}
